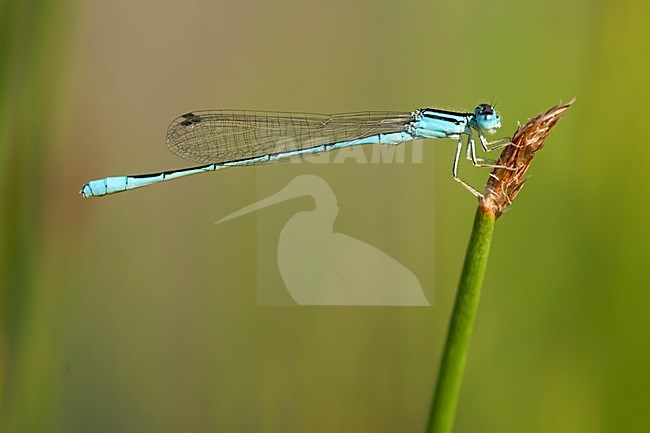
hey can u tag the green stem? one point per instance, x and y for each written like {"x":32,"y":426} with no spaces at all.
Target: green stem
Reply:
{"x":461,"y":325}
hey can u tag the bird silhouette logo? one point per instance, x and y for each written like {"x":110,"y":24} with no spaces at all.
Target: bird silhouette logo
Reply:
{"x":322,"y":267}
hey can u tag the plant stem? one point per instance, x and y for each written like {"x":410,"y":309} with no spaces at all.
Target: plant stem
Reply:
{"x":461,"y":324}
{"x":505,"y":182}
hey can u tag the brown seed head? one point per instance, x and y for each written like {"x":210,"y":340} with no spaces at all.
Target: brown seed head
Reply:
{"x":505,"y":183}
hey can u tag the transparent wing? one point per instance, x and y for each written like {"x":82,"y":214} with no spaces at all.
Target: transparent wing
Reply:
{"x":217,"y":136}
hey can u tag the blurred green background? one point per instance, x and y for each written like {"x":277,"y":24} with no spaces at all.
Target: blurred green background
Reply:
{"x":136,"y":313}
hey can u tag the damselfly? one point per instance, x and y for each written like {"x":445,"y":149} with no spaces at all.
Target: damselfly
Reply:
{"x":223,"y":138}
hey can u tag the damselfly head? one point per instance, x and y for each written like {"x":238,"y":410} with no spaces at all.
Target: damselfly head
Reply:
{"x":487,"y":118}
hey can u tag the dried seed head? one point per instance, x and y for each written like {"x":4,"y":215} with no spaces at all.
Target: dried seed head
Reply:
{"x":505,"y":183}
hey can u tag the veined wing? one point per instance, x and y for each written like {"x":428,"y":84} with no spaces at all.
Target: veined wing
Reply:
{"x":216,"y":136}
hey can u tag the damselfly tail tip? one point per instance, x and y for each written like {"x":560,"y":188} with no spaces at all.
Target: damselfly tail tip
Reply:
{"x":507,"y":179}
{"x":85,"y":191}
